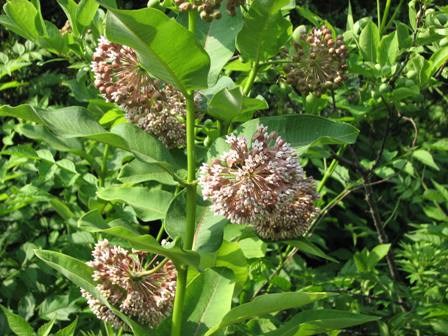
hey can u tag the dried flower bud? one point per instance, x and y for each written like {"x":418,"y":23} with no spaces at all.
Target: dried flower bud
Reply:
{"x":209,"y":9}
{"x":151,"y":104}
{"x":125,"y":279}
{"x":67,"y":28}
{"x":319,"y":59}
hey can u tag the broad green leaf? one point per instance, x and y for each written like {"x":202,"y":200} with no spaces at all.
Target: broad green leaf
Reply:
{"x":149,"y":204}
{"x":220,"y":42}
{"x":208,"y":229}
{"x":300,"y":131}
{"x":426,"y":158}
{"x":267,"y":304}
{"x":369,"y":41}
{"x":313,"y":18}
{"x":86,"y":11}
{"x":265,"y":30}
{"x":144,"y":146}
{"x":209,"y":298}
{"x":23,"y":19}
{"x":377,"y":253}
{"x":70,"y":8}
{"x":73,"y":269}
{"x":232,"y":257}
{"x":438,"y":59}
{"x":41,"y":133}
{"x":230,"y":105}
{"x":307,"y":247}
{"x":68,"y":330}
{"x":17,"y":323}
{"x":149,"y":244}
{"x":80,"y":274}
{"x":45,"y":329}
{"x":25,"y":112}
{"x":313,"y":322}
{"x":252,"y":247}
{"x":389,"y":49}
{"x":164,"y":47}
{"x":419,"y":70}
{"x":138,"y":171}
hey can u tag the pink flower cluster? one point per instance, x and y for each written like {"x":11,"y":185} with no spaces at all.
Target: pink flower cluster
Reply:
{"x":261,"y":184}
{"x":152,"y":105}
{"x":125,"y":279}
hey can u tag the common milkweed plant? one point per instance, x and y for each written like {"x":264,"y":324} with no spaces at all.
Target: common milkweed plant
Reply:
{"x":210,"y":176}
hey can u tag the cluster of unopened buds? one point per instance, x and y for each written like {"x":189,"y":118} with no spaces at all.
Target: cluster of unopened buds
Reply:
{"x":152,"y":105}
{"x":262,"y":184}
{"x":319,"y":62}
{"x":208,"y":10}
{"x":138,"y":285}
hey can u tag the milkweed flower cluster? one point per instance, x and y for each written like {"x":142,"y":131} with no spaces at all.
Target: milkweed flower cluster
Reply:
{"x":208,"y":9}
{"x":152,"y":105}
{"x":319,"y":62}
{"x":123,"y":277}
{"x":258,"y":183}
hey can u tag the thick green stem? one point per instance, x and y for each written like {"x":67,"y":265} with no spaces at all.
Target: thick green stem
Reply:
{"x":250,"y":78}
{"x":176,"y":327}
{"x":182,"y":270}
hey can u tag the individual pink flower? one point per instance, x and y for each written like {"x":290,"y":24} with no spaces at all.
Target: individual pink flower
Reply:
{"x":134,"y":283}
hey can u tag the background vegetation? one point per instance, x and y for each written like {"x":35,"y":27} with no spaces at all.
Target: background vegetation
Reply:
{"x":383,"y":225}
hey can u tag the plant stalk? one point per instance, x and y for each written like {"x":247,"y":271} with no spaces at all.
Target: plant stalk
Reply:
{"x":182,"y":270}
{"x":251,"y":78}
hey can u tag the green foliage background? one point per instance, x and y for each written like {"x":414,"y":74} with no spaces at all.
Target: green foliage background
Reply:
{"x":380,"y":243}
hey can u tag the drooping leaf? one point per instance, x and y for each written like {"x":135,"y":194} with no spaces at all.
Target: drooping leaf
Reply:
{"x":165,"y":48}
{"x":149,"y":244}
{"x":300,"y":131}
{"x":314,"y":322}
{"x":307,"y":247}
{"x":266,"y":304}
{"x":149,"y":204}
{"x":265,"y":30}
